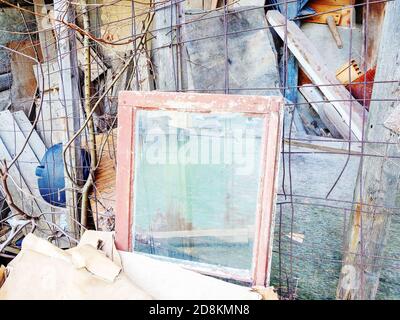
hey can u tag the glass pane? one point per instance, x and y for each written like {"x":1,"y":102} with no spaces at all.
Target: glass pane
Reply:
{"x":196,"y":185}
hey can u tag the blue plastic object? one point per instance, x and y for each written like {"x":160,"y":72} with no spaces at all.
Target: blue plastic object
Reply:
{"x":50,"y":175}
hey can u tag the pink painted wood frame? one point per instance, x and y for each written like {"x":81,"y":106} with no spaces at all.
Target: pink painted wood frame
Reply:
{"x":270,"y":108}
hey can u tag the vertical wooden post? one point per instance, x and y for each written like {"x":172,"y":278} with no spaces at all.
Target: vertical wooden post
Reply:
{"x":377,"y":189}
{"x":69,"y":98}
{"x":373,"y":16}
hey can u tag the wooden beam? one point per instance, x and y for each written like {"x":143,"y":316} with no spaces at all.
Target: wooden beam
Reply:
{"x":377,"y":189}
{"x":348,"y":109}
{"x":69,"y":99}
{"x":373,"y":15}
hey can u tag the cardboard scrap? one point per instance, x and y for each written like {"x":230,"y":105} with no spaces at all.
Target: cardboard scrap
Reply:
{"x":103,"y":241}
{"x":95,"y":261}
{"x":43,"y":271}
{"x":92,"y":271}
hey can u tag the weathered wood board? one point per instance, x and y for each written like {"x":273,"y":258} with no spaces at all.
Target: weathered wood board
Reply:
{"x":376,"y":194}
{"x":24,"y":85}
{"x":248,"y":63}
{"x":164,"y":48}
{"x":13,"y":139}
{"x":102,"y":198}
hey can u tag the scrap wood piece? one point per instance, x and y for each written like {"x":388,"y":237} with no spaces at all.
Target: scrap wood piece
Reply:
{"x":252,"y":58}
{"x":349,"y":72}
{"x":97,"y":65}
{"x":24,"y":84}
{"x":375,"y":199}
{"x":315,"y":98}
{"x":25,"y":126}
{"x":17,"y":185}
{"x":373,"y":16}
{"x":343,"y":12}
{"x":47,"y":75}
{"x":393,"y":121}
{"x":44,"y":26}
{"x":312,"y":63}
{"x":102,"y":198}
{"x":23,"y":187}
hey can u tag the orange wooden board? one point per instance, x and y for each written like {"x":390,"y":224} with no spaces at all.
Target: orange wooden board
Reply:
{"x":343,"y":14}
{"x":24,"y":85}
{"x":102,"y":197}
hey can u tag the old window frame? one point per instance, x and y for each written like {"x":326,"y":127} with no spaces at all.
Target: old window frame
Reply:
{"x":270,"y":108}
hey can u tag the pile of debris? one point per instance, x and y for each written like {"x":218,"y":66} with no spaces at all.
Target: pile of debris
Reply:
{"x":58,"y":104}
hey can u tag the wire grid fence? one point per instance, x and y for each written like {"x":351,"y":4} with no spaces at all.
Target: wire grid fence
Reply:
{"x":213,"y":47}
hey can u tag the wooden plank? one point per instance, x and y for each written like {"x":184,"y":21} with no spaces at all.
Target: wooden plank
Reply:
{"x":345,"y":15}
{"x":324,"y":144}
{"x":18,"y":187}
{"x":377,"y":190}
{"x":35,"y":142}
{"x":14,"y":139}
{"x":202,"y":103}
{"x":312,"y":63}
{"x":102,"y":198}
{"x":373,"y":16}
{"x":47,"y":76}
{"x":348,"y":72}
{"x":69,"y":97}
{"x":24,"y":85}
{"x":249,"y":63}
{"x":44,"y":26}
{"x":164,"y":48}
{"x":326,"y":113}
